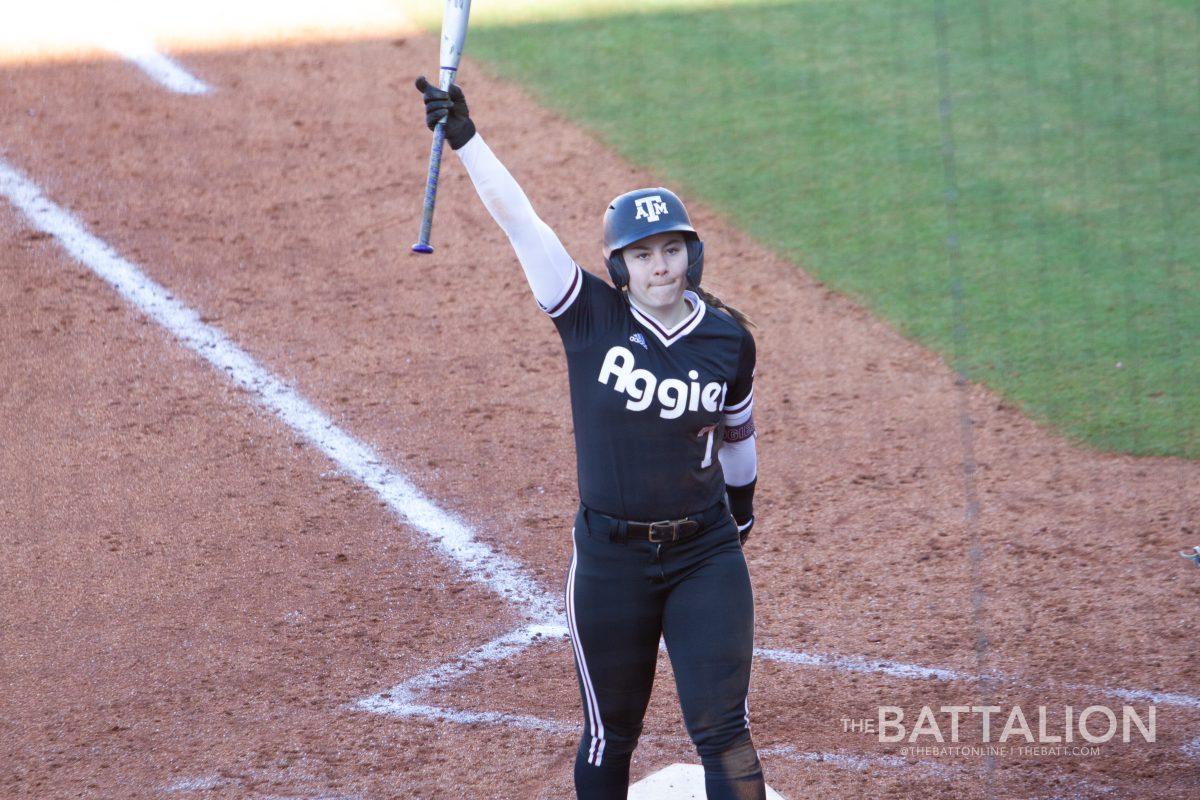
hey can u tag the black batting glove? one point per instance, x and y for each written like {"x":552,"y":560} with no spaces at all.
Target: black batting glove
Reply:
{"x":744,"y":527}
{"x":741,"y":506}
{"x":449,"y":106}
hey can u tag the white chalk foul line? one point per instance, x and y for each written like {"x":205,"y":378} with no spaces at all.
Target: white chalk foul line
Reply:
{"x":1141,"y":695}
{"x":855,"y":664}
{"x":206,"y":783}
{"x":498,"y":572}
{"x":400,"y":698}
{"x":158,"y":67}
{"x":897,"y":669}
{"x":201,"y":784}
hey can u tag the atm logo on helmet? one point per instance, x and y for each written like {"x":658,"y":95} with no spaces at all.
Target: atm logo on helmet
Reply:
{"x":643,"y":386}
{"x":649,"y":208}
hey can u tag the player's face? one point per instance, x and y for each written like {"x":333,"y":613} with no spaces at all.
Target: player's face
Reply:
{"x":657,"y":270}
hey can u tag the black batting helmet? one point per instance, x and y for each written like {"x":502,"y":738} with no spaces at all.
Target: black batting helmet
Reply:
{"x":645,"y":212}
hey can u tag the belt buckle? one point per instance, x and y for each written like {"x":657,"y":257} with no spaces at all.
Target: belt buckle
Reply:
{"x":671,"y":525}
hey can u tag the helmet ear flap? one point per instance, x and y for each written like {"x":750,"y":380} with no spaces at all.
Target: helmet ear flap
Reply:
{"x":695,"y":251}
{"x":617,"y":269}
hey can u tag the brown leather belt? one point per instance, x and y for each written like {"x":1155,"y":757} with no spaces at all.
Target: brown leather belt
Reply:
{"x":660,"y":531}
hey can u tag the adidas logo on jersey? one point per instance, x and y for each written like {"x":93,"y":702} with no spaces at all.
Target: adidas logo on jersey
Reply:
{"x":643,"y":386}
{"x":637,"y":338}
{"x":649,"y":208}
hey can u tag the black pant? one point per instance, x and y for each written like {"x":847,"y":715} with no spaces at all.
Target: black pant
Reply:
{"x":620,"y":596}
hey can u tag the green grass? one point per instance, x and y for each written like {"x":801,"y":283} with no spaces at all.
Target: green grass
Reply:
{"x":815,"y":127}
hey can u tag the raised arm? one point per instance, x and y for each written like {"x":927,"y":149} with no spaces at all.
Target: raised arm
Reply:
{"x":549,"y":269}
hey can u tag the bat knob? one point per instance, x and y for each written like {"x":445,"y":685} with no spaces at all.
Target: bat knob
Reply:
{"x":422,"y":248}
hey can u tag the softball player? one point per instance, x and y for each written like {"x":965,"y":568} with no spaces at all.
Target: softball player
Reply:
{"x":661,"y":381}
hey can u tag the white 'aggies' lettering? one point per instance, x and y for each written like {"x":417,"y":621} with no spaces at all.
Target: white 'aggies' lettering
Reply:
{"x":642,"y":386}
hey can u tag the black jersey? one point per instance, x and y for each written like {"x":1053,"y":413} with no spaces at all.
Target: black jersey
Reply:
{"x":648,"y":403}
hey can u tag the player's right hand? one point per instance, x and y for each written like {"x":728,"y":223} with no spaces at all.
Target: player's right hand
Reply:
{"x":449,"y":106}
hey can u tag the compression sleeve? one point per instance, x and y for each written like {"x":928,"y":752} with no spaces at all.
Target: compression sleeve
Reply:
{"x":548,"y":268}
{"x":739,"y":461}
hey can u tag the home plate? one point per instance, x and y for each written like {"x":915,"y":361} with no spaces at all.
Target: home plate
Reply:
{"x":678,"y":782}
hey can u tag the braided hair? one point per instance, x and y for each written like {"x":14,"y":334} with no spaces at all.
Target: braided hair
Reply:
{"x":716,"y":302}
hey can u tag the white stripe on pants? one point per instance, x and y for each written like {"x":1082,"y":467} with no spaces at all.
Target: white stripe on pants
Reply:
{"x":596,"y":752}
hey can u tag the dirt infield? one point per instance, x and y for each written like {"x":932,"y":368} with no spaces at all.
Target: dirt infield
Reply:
{"x":195,"y":598}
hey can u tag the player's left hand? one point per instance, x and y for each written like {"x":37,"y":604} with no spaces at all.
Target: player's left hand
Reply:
{"x":449,"y":106}
{"x":744,"y":527}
